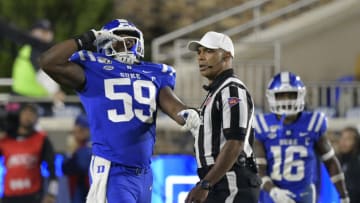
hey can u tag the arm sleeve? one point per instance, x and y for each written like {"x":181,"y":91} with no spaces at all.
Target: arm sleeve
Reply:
{"x":235,"y":112}
{"x":49,"y":84}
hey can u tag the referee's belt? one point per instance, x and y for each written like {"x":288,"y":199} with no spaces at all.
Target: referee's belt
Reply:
{"x":241,"y":163}
{"x":246,"y":162}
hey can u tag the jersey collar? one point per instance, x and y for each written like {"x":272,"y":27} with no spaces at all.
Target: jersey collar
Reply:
{"x":219,"y":80}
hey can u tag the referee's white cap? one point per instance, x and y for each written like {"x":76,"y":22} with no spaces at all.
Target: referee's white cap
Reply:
{"x":213,"y":40}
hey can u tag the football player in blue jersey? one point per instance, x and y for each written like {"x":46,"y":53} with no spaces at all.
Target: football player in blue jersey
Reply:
{"x":288,"y":141}
{"x":121,"y":95}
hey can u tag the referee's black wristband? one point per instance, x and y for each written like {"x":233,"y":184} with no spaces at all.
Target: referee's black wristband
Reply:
{"x":205,"y":185}
{"x":85,"y":41}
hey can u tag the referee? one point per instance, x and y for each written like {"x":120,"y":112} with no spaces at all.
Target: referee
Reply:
{"x":223,"y":143}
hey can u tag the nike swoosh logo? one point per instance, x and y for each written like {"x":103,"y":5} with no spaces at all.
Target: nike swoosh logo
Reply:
{"x":144,"y":71}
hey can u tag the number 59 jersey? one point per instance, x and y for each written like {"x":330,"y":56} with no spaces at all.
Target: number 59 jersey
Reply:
{"x":289,"y":148}
{"x":121,"y":104}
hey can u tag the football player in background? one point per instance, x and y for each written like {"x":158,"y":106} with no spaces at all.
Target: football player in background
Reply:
{"x":288,"y":141}
{"x":76,"y":166}
{"x":121,"y":95}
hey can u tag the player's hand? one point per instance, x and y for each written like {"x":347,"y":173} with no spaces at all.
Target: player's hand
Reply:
{"x":345,"y":200}
{"x":282,"y":195}
{"x":91,"y":38}
{"x":102,"y":36}
{"x":192,"y":120}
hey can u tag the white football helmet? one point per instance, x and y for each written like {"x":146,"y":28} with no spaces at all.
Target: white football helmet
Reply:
{"x":132,"y":52}
{"x":286,"y":82}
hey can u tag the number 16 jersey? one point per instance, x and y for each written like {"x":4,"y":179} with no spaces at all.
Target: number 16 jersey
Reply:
{"x":289,"y":148}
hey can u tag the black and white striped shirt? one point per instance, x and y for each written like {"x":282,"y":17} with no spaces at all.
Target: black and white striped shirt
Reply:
{"x":226,"y":114}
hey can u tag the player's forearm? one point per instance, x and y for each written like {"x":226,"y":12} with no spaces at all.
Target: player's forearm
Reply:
{"x":266,"y":182}
{"x":261,"y":162}
{"x":337,"y":176}
{"x":225,"y":161}
{"x":171,"y":104}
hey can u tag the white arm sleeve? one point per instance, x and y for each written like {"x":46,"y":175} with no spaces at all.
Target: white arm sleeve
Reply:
{"x":48,"y":83}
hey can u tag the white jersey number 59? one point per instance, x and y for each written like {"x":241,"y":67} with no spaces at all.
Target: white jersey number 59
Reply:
{"x":127,"y":99}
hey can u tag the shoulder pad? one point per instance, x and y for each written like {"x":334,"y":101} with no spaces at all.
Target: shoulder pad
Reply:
{"x":260,"y":124}
{"x":82,"y":56}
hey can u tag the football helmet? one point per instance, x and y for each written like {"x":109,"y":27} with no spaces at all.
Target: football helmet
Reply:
{"x":132,"y":43}
{"x":286,"y":82}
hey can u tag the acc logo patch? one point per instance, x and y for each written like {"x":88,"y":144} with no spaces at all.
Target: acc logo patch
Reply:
{"x":232,"y":101}
{"x":104,"y":60}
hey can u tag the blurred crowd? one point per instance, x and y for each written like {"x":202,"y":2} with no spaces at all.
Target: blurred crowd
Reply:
{"x":25,"y":146}
{"x":347,"y":148}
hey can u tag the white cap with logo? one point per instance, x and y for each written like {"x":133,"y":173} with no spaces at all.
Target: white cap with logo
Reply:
{"x":213,"y":40}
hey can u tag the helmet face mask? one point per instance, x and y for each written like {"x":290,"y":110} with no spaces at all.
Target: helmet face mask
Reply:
{"x":124,"y":43}
{"x":286,"y":94}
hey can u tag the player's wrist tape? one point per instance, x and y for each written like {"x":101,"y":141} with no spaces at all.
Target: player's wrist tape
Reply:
{"x":85,"y":41}
{"x":338,"y":177}
{"x":328,"y":155}
{"x":264,"y":180}
{"x":261,"y":161}
{"x":53,"y":188}
{"x":345,"y":200}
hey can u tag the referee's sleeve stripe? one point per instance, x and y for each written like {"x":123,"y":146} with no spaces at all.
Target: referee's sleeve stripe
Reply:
{"x":225,"y":94}
{"x":234,"y":109}
{"x":245,"y":109}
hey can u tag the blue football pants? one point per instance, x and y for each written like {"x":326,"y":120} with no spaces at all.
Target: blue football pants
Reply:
{"x":129,"y":184}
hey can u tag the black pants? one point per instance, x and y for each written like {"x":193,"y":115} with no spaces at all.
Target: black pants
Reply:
{"x":243,"y":195}
{"x":32,"y":198}
{"x":241,"y":185}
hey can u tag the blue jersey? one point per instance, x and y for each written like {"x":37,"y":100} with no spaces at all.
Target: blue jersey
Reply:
{"x":121,"y":104}
{"x":289,"y":148}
